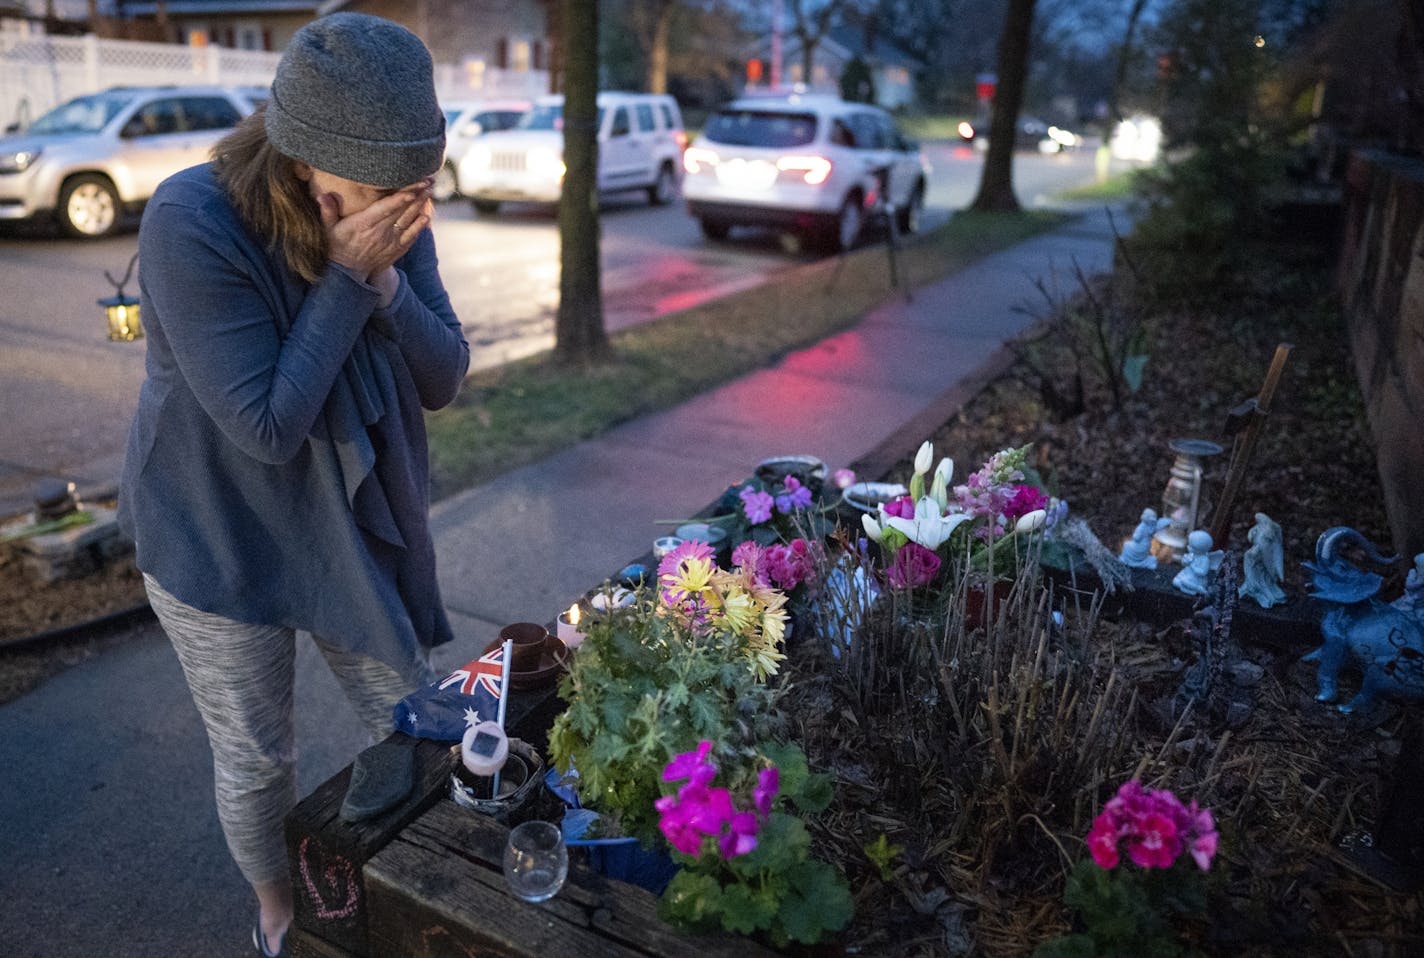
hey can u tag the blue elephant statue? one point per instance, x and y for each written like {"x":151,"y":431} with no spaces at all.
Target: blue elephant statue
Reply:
{"x":1386,"y":643}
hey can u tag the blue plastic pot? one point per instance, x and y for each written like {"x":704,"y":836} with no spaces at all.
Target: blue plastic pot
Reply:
{"x":625,"y":859}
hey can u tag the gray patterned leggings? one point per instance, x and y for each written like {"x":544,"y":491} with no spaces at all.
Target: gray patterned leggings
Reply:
{"x":241,"y":678}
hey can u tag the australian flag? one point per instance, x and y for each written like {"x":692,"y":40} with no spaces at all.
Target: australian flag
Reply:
{"x":467,"y":696}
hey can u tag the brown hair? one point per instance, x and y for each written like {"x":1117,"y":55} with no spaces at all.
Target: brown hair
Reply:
{"x":270,"y":198}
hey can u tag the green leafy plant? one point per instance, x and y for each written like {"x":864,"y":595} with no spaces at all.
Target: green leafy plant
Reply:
{"x":882,"y":855}
{"x":750,"y":872}
{"x":1136,"y":912}
{"x":684,"y":663}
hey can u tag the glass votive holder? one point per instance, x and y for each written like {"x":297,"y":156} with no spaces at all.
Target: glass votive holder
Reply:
{"x":536,"y":863}
{"x":665,"y":544}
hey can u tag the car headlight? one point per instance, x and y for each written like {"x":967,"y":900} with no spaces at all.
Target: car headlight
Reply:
{"x":17,"y":161}
{"x":546,"y":163}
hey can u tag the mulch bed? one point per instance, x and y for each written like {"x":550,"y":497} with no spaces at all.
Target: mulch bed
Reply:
{"x":1294,"y":783}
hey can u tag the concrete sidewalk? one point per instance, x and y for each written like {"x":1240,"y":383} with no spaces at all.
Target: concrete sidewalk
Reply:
{"x":110,"y":845}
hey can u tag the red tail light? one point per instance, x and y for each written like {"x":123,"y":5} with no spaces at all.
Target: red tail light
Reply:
{"x":813,"y":169}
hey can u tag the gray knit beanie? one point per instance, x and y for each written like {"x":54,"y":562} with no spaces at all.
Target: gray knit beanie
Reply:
{"x":355,"y":96}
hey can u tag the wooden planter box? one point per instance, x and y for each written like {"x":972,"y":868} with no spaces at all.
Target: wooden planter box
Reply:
{"x":427,"y":879}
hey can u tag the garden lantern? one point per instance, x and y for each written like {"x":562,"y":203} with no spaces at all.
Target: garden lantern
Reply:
{"x":121,"y":311}
{"x":1181,"y":500}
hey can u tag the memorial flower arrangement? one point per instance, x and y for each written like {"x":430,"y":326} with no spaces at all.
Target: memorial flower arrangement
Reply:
{"x":981,"y":525}
{"x":687,"y":661}
{"x":746,"y":864}
{"x":1134,"y":911}
{"x":768,"y":511}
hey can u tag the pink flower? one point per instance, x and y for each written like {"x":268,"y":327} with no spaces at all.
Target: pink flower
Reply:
{"x":1102,"y":842}
{"x":740,"y":837}
{"x":1025,"y":500}
{"x":752,"y":557}
{"x":756,"y":505}
{"x":671,"y":564}
{"x":1153,"y":842}
{"x":913,"y":565}
{"x":711,"y":808}
{"x":688,"y":764}
{"x":1156,"y":827}
{"x":843,"y":478}
{"x":675,"y":822}
{"x":1202,"y":836}
{"x":901,"y":508}
{"x":790,"y":565}
{"x":768,"y":784}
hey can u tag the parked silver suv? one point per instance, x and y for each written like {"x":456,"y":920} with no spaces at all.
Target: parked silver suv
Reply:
{"x":89,"y":159}
{"x":803,"y":164}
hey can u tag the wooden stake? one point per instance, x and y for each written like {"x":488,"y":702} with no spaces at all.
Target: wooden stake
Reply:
{"x":1221,"y":516}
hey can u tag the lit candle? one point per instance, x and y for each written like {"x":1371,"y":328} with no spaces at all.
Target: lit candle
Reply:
{"x":568,"y":627}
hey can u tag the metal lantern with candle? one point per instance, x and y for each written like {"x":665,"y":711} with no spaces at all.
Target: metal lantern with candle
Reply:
{"x":121,"y":311}
{"x":1181,"y":500}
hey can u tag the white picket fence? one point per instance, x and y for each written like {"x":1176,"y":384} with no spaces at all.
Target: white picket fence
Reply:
{"x":38,"y":72}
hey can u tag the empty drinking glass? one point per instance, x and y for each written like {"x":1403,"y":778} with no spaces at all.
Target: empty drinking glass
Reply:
{"x":536,"y":861}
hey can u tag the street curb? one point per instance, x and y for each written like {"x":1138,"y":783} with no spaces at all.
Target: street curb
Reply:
{"x":134,"y":615}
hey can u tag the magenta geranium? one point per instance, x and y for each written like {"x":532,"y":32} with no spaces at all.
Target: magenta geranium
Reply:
{"x":698,"y":811}
{"x":1154,"y":826}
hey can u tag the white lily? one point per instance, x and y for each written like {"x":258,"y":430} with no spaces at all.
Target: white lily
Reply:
{"x":872,"y":527}
{"x":930,"y":527}
{"x":923,"y":458}
{"x":939,"y":487}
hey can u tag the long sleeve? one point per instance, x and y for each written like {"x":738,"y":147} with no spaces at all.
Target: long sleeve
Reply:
{"x":262,"y":389}
{"x":426,"y":328}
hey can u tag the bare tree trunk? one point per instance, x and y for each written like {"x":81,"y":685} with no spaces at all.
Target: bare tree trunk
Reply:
{"x":554,"y":28}
{"x":996,"y":184}
{"x":579,"y":336}
{"x":657,"y":51}
{"x":1124,"y":58}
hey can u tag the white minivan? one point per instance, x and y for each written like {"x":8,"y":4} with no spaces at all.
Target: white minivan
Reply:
{"x":640,"y":144}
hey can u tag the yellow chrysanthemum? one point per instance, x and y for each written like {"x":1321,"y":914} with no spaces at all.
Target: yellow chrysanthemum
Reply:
{"x":764,"y":662}
{"x":741,"y":611}
{"x":693,"y":576}
{"x":773,"y":627}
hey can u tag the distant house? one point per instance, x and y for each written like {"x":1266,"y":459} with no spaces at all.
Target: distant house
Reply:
{"x":479,"y":46}
{"x":892,"y":70}
{"x":479,"y":34}
{"x":253,"y":25}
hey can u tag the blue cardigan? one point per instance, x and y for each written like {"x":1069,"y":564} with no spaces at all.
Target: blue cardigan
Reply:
{"x":277,"y":470}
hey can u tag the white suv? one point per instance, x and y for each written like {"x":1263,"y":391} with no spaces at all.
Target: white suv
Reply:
{"x":811,"y":165}
{"x":91,"y":158}
{"x":465,"y":120}
{"x":640,"y":144}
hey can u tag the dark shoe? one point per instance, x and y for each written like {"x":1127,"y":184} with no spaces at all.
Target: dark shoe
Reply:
{"x":259,"y":941}
{"x":381,"y":777}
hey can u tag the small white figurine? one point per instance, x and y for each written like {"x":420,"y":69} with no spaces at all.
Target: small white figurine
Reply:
{"x":1263,"y":568}
{"x":1137,"y":551}
{"x":1197,"y":564}
{"x":1412,"y":602}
